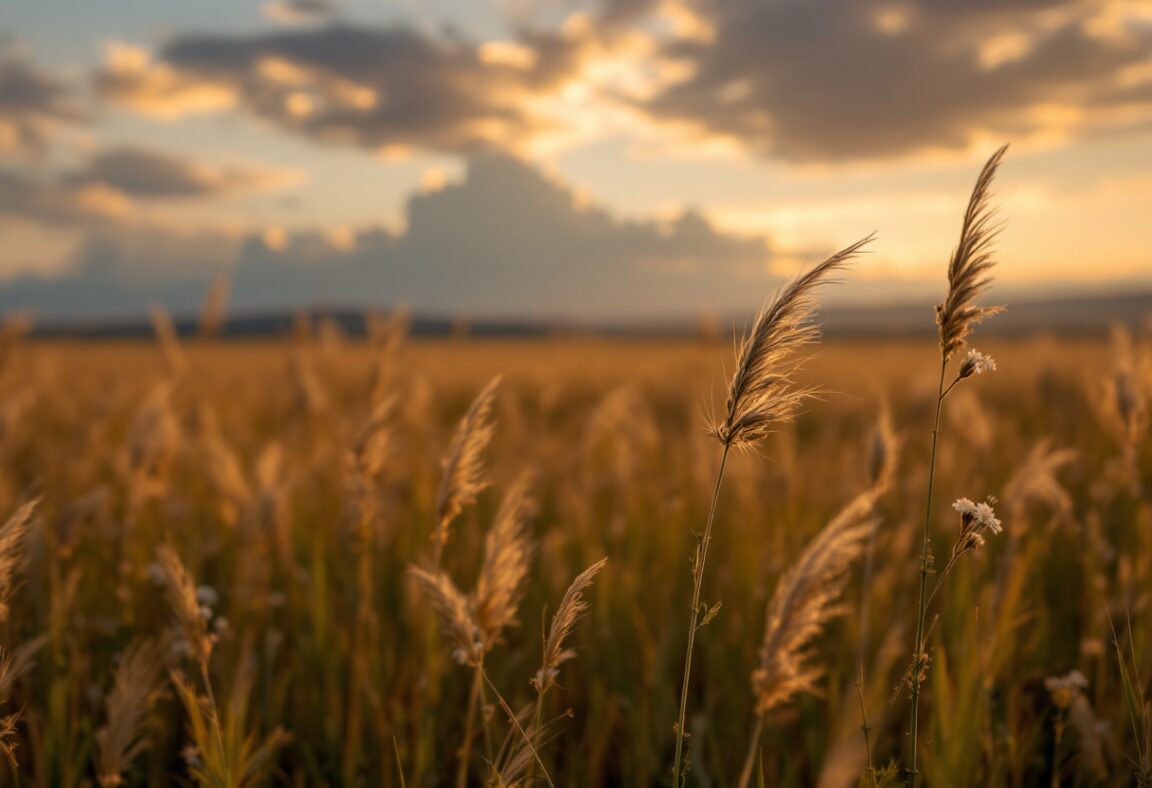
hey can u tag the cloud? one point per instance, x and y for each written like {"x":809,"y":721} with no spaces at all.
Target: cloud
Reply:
{"x":51,"y":203}
{"x":382,"y":89}
{"x":506,"y":239}
{"x":32,"y":103}
{"x":296,"y":11}
{"x":140,"y":173}
{"x":820,"y":80}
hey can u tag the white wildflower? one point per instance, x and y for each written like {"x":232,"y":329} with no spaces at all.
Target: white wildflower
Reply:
{"x":1064,"y":688}
{"x":964,"y":507}
{"x":974,"y":519}
{"x":986,"y":518}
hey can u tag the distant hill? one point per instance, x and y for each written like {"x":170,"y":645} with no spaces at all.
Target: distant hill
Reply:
{"x":1089,"y":315}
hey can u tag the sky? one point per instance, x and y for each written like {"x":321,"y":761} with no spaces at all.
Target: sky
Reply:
{"x":573,"y":159}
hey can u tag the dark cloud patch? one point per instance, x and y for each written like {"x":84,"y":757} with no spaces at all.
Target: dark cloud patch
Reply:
{"x":140,"y":173}
{"x":375,"y":88}
{"x":51,"y":203}
{"x":31,"y":103}
{"x":504,"y":241}
{"x":840,"y":79}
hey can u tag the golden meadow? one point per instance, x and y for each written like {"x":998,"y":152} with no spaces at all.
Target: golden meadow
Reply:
{"x":324,"y":561}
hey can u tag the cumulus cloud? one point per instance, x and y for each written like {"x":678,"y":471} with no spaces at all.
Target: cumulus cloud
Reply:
{"x":31,"y":104}
{"x":504,"y":240}
{"x":842,"y":79}
{"x":140,"y":173}
{"x":393,"y":88}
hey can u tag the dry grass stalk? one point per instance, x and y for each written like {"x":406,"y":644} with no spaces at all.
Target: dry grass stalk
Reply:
{"x":507,"y":550}
{"x":12,"y":536}
{"x":762,"y":392}
{"x":455,"y":611}
{"x":13,"y":665}
{"x":806,"y":598}
{"x":387,"y":336}
{"x":153,"y":443}
{"x":213,"y":309}
{"x":572,"y":606}
{"x":174,"y":360}
{"x":192,"y":635}
{"x":1035,"y":482}
{"x":463,"y":466}
{"x":124,"y":736}
{"x":971,"y":263}
{"x":969,"y":277}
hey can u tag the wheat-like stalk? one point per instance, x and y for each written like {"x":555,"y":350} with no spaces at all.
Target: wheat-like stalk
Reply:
{"x":507,"y":550}
{"x":806,"y":598}
{"x":572,"y":606}
{"x":464,"y":472}
{"x":455,"y":611}
{"x":13,"y":665}
{"x":804,"y":601}
{"x":969,"y":269}
{"x":124,"y":736}
{"x":192,"y":635}
{"x":969,"y":276}
{"x":762,"y":392}
{"x":12,"y":536}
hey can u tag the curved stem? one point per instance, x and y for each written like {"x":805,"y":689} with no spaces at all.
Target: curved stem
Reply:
{"x":925,"y":569}
{"x":746,"y":773}
{"x":698,"y":579}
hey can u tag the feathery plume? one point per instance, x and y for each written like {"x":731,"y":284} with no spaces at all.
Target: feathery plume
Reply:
{"x":13,"y":665}
{"x":572,"y":606}
{"x":762,"y":391}
{"x":187,"y":612}
{"x":969,"y":269}
{"x":12,"y":536}
{"x":805,"y":600}
{"x":507,"y":550}
{"x":463,"y":474}
{"x":455,"y":611}
{"x":124,"y":736}
{"x":1036,"y":482}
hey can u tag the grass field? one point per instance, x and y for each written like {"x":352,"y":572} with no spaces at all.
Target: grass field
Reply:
{"x":298,"y":516}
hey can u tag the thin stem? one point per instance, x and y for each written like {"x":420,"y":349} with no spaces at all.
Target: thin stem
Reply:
{"x":951,"y":386}
{"x":746,"y":773}
{"x":466,"y":746}
{"x":918,"y":655}
{"x":870,"y":770}
{"x":698,"y":580}
{"x":485,"y":727}
{"x":519,"y":727}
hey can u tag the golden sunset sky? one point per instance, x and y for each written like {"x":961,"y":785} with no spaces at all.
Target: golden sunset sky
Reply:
{"x":559,"y":158}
